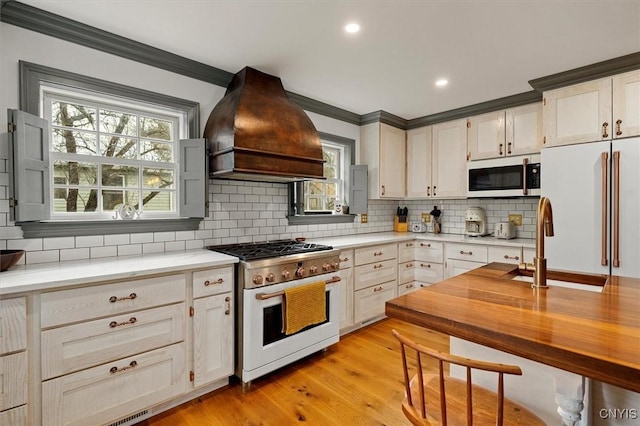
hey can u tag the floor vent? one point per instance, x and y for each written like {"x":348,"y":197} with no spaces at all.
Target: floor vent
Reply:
{"x":126,"y":420}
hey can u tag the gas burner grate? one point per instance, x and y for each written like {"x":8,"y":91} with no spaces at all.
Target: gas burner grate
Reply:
{"x":268,"y":249}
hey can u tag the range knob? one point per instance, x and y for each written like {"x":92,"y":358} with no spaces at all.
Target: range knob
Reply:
{"x":257,"y":279}
{"x":270,"y":277}
{"x":335,"y":265}
{"x":326,"y":267}
{"x":313,"y":269}
{"x":285,"y":274}
{"x":300,"y":272}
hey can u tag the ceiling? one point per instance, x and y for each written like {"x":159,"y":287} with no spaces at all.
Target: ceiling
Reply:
{"x":487,"y":49}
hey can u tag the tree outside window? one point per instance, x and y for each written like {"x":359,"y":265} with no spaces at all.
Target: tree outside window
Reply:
{"x":320,"y":196}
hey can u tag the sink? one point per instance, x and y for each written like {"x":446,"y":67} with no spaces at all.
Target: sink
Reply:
{"x":597,"y":288}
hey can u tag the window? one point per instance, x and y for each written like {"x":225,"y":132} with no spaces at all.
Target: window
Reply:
{"x":106,"y":153}
{"x":314,"y":201}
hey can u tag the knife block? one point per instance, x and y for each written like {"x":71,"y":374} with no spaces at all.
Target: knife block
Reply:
{"x":400,"y":226}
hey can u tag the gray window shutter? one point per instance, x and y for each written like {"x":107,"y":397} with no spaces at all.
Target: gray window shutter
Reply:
{"x":29,"y":180}
{"x":193,"y":178}
{"x":359,"y":189}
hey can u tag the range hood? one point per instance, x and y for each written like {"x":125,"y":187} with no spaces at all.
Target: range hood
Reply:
{"x":257,"y":133}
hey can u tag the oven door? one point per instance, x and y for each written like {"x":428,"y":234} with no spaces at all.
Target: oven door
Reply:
{"x":264,"y":347}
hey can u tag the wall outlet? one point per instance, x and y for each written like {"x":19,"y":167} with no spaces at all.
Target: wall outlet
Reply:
{"x":363,"y":218}
{"x":516,"y":219}
{"x":426,"y":217}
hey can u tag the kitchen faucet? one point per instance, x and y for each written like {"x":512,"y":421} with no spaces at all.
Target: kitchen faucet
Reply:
{"x":544,"y":226}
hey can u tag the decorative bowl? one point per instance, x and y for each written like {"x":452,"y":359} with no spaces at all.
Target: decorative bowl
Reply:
{"x":8,"y":258}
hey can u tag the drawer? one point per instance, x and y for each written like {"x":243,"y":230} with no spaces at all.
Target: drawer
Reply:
{"x":81,"y":304}
{"x":470,"y":252}
{"x":427,"y":272}
{"x":112,"y":391}
{"x":13,"y":381}
{"x":410,"y":286}
{"x":13,"y":325}
{"x":375,"y":273}
{"x":429,"y":251}
{"x":346,"y":259}
{"x":406,"y":272}
{"x":376,"y":253}
{"x":212,"y":281}
{"x":406,"y":251}
{"x":505,"y":254}
{"x":75,"y":347}
{"x":370,"y":302}
{"x":14,"y":417}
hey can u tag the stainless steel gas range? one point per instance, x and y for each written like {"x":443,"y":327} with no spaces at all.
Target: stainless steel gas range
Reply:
{"x":265,"y":270}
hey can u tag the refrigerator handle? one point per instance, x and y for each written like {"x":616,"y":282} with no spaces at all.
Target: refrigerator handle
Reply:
{"x":616,"y":209}
{"x":604,"y":158}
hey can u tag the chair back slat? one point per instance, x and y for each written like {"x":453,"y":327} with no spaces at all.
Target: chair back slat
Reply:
{"x":443,"y":394}
{"x":469,"y":398}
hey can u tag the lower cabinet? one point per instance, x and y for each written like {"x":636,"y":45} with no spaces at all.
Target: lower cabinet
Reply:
{"x":346,"y":289}
{"x":462,"y":258}
{"x":13,"y":362}
{"x":375,"y":280}
{"x":370,"y":302}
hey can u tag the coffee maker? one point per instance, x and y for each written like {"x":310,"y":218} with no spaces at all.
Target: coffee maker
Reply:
{"x":475,"y":222}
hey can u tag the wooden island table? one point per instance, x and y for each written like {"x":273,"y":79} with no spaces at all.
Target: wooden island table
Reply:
{"x":591,"y":334}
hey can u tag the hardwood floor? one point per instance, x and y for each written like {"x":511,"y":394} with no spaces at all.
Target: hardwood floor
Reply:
{"x":357,"y":381}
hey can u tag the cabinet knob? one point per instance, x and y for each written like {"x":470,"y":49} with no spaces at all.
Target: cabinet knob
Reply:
{"x":509,"y":148}
{"x":500,"y":149}
{"x":382,"y":189}
{"x":604,"y":130}
{"x":618,"y":127}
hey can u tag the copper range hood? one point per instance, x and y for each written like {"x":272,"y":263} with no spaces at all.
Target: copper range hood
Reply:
{"x":257,"y":133}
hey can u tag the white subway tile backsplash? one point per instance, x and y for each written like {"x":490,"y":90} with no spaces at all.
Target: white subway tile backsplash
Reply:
{"x":141,"y":238}
{"x":175,"y":246}
{"x":42,"y":256}
{"x":90,"y":241}
{"x":152,"y":248}
{"x":194,"y":244}
{"x":58,"y":243}
{"x":130,"y":250}
{"x":106,"y":251}
{"x":33,"y":244}
{"x":185,"y":235}
{"x":75,"y":254}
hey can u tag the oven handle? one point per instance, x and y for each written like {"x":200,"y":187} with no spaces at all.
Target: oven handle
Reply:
{"x":265,"y":296}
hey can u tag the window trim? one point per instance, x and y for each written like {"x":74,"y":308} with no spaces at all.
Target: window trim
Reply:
{"x":297,"y":187}
{"x":31,"y":77}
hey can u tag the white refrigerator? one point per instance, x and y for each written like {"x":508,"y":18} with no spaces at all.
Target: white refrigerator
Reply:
{"x":594,"y":190}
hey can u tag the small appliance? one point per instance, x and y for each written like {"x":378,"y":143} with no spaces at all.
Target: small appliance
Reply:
{"x":475,"y":222}
{"x":505,"y":230}
{"x":418,"y":227}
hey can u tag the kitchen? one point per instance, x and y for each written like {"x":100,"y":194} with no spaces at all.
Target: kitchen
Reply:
{"x":240,"y":211}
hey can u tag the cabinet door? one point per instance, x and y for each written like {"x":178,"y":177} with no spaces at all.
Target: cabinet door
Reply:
{"x":212,"y":338}
{"x":524,"y":129}
{"x":419,"y":162}
{"x":14,"y":417}
{"x":428,"y":272}
{"x":457,"y":267}
{"x":505,"y":254}
{"x":375,"y":253}
{"x":406,"y":251}
{"x":212,"y":281}
{"x":406,"y":272}
{"x":429,"y":251}
{"x":13,"y":380}
{"x":626,"y":104}
{"x":109,"y":392}
{"x":486,"y":135}
{"x":346,"y":297}
{"x":13,"y":325}
{"x":408,"y":287}
{"x":370,"y":302}
{"x":472,"y":252}
{"x":578,"y":113}
{"x":392,"y":162}
{"x":449,"y":159}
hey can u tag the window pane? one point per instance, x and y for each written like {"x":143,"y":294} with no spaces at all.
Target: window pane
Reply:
{"x":330,"y":204}
{"x":159,"y":201}
{"x":111,"y":200}
{"x":313,"y":204}
{"x":77,"y":200}
{"x":118,"y":122}
{"x":156,"y":151}
{"x":118,"y":175}
{"x":74,"y":142}
{"x":115,"y":146}
{"x":155,"y":128}
{"x":73,"y":115}
{"x":315,"y":188}
{"x":329,"y":172}
{"x":76,"y":173}
{"x":331,"y":189}
{"x":157,"y":178}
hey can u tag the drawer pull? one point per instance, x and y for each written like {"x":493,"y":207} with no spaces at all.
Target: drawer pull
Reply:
{"x":378,"y":266}
{"x":114,"y":299}
{"x":408,"y":245}
{"x":218,"y":281}
{"x":114,"y":324}
{"x":408,"y":286}
{"x":506,"y":256}
{"x":228,"y":310}
{"x":378,"y":253}
{"x":425,"y":245}
{"x":470,"y":253}
{"x":346,"y":259}
{"x":409,"y":265}
{"x":114,"y":370}
{"x":377,"y":289}
{"x":425,"y":265}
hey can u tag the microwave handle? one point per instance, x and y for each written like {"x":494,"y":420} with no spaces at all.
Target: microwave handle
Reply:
{"x":525,"y":190}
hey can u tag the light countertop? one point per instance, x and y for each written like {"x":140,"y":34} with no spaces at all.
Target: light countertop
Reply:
{"x":46,"y":276}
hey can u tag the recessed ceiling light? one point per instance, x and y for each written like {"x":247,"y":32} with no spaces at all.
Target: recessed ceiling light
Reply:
{"x":352,"y":28}
{"x":442,"y":82}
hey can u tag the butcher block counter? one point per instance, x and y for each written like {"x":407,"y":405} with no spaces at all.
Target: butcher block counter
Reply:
{"x":596,"y":335}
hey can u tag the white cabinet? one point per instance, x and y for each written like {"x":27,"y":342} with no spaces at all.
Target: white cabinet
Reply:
{"x":383,"y":149}
{"x":13,"y":362}
{"x":419,"y":159}
{"x":375,"y":280}
{"x":346,"y":289}
{"x":449,"y":165}
{"x":213,"y":330}
{"x":515,"y":131}
{"x":420,"y":263}
{"x":464,"y":257}
{"x":607,"y":108}
{"x":508,"y":254}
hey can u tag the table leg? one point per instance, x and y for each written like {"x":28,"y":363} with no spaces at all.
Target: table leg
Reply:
{"x":570,"y":389}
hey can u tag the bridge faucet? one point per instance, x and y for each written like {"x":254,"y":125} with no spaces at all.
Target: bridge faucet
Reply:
{"x":544,"y":226}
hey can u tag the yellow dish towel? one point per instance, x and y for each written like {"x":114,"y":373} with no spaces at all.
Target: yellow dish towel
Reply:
{"x":303,"y":306}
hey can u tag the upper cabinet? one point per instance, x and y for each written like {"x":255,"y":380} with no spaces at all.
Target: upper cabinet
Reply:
{"x":449,"y":166}
{"x":603,"y":109}
{"x":515,"y":131}
{"x":419,"y":157}
{"x":383,"y":149}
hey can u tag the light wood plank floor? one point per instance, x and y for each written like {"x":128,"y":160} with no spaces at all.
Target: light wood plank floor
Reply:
{"x":357,"y":381}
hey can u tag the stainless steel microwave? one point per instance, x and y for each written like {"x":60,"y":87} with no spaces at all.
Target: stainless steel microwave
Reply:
{"x":517,"y":176}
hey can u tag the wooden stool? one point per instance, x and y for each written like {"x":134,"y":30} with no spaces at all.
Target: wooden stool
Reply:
{"x":458,"y":402}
